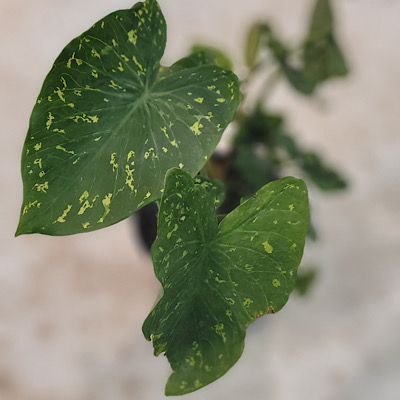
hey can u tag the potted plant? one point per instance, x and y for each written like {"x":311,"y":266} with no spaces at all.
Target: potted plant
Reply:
{"x":113,"y":131}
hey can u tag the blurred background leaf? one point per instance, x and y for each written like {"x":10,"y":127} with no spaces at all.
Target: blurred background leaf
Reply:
{"x":221,"y":59}
{"x":305,"y":279}
{"x":323,"y":59}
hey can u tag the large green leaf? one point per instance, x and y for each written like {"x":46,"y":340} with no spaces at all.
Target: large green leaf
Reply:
{"x":218,"y":279}
{"x":107,"y":126}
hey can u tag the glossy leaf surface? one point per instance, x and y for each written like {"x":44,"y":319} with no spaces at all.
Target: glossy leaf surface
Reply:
{"x":107,"y":126}
{"x":218,"y":278}
{"x":214,"y":187}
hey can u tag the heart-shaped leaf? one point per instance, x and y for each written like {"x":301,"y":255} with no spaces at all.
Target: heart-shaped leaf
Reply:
{"x":107,"y":126}
{"x":218,"y":279}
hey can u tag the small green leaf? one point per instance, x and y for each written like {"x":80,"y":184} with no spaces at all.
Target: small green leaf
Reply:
{"x":253,"y":44}
{"x":298,"y":79}
{"x":282,"y":55}
{"x":323,"y":58}
{"x":262,"y":129}
{"x":107,"y":125}
{"x":325,"y":177}
{"x":192,"y":61}
{"x":221,"y":59}
{"x":322,"y":18}
{"x":218,"y":279}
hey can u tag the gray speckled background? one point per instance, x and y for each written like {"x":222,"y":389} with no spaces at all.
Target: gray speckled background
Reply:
{"x":71,"y":308}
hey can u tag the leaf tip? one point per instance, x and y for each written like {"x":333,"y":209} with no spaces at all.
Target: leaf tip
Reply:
{"x":20,"y":230}
{"x":178,"y":386}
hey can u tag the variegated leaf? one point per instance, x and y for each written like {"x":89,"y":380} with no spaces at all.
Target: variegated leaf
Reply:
{"x":107,"y":125}
{"x":218,"y":279}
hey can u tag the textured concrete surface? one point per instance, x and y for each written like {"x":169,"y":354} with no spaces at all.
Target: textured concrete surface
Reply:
{"x":71,"y":308}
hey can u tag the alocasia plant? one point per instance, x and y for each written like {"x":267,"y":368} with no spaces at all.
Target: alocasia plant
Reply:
{"x":112,"y":131}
